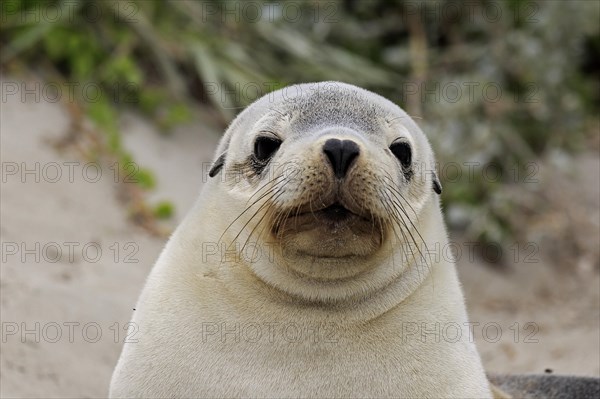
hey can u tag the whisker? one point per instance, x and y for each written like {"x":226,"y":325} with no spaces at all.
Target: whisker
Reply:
{"x":391,"y":186}
{"x":277,"y":193}
{"x":413,"y":239}
{"x":411,"y":222}
{"x":393,"y":213}
{"x":260,"y":220}
{"x":245,"y":210}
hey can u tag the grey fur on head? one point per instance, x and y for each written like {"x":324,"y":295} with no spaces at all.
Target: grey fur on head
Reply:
{"x":320,"y":103}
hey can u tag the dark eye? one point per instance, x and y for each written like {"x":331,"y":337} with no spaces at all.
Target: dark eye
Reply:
{"x":402,"y":151}
{"x":265,"y":147}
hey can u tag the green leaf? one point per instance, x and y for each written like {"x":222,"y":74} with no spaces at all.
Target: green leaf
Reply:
{"x":145,"y":178}
{"x":164,"y":210}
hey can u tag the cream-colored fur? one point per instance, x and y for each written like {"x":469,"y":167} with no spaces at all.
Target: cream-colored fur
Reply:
{"x":231,"y":310}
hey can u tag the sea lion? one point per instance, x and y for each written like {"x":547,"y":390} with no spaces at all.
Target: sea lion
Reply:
{"x":305,"y":268}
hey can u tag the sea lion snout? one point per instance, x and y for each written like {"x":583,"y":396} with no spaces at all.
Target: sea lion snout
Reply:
{"x":341,"y":154}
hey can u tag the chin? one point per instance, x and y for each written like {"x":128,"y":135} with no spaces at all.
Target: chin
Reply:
{"x":329,"y":244}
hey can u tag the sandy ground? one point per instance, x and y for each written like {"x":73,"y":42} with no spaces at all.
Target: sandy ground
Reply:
{"x":73,"y":266}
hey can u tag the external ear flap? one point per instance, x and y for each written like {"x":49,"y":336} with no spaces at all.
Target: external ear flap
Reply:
{"x":217,"y":166}
{"x":437,"y":186}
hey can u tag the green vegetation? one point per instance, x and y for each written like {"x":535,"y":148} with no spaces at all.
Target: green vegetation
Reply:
{"x":164,"y":210}
{"x":495,"y":83}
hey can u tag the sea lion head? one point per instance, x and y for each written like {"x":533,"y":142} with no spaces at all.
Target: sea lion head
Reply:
{"x":329,"y":180}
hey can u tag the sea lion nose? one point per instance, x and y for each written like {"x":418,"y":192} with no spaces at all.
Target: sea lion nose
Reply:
{"x":341,"y":154}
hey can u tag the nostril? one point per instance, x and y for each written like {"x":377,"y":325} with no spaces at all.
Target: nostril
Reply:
{"x":341,"y":154}
{"x":333,"y":149}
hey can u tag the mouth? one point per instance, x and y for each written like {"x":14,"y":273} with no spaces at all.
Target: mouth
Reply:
{"x":334,"y":233}
{"x":336,"y":212}
{"x":331,"y":217}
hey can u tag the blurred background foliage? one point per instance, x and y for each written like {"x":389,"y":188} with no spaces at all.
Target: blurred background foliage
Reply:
{"x":499,"y":84}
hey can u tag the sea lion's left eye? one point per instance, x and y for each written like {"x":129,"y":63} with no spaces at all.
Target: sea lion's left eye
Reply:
{"x":402,"y":151}
{"x":265,"y":147}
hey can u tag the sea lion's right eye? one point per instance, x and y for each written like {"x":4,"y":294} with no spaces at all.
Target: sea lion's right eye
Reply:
{"x":265,"y":147}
